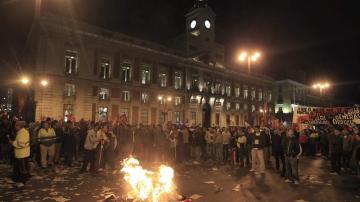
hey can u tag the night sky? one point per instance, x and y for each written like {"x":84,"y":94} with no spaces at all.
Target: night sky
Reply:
{"x":303,"y":40}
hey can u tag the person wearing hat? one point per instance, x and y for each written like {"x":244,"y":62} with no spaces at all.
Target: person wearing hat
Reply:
{"x":21,"y":146}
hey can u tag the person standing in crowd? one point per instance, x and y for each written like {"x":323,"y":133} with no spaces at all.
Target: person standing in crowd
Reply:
{"x":99,"y":153}
{"x":21,"y":146}
{"x":47,"y":139}
{"x":348,"y":143}
{"x":241,"y":148}
{"x":186,"y":141}
{"x":69,"y":143}
{"x":267,"y":147}
{"x":109,"y":152}
{"x":219,"y":146}
{"x":5,"y":132}
{"x":314,"y":136}
{"x":304,"y":139}
{"x":59,"y":139}
{"x":336,"y":146}
{"x":160,"y":143}
{"x":278,"y":151}
{"x":91,"y":142}
{"x":210,"y":138}
{"x":225,"y":144}
{"x":355,"y":157}
{"x":293,"y":152}
{"x":257,"y":151}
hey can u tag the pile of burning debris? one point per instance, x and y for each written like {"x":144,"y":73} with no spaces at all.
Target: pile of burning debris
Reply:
{"x":146,"y":185}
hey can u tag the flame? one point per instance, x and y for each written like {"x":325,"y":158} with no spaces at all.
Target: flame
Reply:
{"x":145,"y":184}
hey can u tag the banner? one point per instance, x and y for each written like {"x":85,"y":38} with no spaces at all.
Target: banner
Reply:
{"x":320,"y":115}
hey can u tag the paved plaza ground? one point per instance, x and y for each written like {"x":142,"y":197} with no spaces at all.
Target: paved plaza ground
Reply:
{"x":206,"y":182}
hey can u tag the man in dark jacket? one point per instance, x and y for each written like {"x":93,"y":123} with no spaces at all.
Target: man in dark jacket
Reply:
{"x":277,"y":150}
{"x":293,"y":152}
{"x":336,"y":144}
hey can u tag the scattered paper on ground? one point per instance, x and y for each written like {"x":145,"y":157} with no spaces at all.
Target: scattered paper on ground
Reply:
{"x":196,"y":196}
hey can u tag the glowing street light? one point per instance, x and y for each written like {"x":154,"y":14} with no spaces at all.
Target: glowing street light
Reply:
{"x":321,"y":86}
{"x":169,"y":99}
{"x":44,"y":83}
{"x":249,"y":57}
{"x":25,"y":80}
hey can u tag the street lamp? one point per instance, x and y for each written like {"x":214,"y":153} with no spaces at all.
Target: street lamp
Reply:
{"x":321,"y":87}
{"x":44,"y":83}
{"x":25,"y":80}
{"x":164,"y":101}
{"x":253,"y":57}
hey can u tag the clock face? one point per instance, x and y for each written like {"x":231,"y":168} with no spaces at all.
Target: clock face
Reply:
{"x":193,"y":24}
{"x":207,"y":24}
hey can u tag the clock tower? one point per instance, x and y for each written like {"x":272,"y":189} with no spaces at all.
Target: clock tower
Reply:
{"x":200,"y":34}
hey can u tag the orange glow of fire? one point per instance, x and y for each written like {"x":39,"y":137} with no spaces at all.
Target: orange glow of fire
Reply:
{"x":147,"y":185}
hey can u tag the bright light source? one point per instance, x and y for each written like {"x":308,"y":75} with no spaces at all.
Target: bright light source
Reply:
{"x":169,"y":99}
{"x":160,"y":98}
{"x":44,"y":83}
{"x":243,"y":56}
{"x":327,"y":85}
{"x":255,"y":56}
{"x":25,"y":80}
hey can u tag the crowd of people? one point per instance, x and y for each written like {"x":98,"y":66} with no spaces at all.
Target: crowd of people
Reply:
{"x":102,"y":145}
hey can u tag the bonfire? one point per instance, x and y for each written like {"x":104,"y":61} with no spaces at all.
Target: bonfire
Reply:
{"x":146,"y":185}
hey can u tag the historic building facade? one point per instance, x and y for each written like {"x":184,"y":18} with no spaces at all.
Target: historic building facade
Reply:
{"x":96,"y":74}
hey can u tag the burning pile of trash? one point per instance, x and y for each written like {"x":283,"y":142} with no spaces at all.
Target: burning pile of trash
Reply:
{"x":146,"y":185}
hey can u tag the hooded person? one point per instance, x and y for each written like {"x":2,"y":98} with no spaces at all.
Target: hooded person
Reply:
{"x":21,"y":146}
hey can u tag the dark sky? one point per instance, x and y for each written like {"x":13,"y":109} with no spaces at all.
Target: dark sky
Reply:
{"x":304,"y":40}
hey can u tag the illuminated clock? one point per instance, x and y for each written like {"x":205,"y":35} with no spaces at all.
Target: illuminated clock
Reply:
{"x":193,"y":24}
{"x":207,"y":24}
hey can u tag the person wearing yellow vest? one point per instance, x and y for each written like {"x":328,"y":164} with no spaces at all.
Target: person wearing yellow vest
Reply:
{"x":47,"y":138}
{"x":21,"y":146}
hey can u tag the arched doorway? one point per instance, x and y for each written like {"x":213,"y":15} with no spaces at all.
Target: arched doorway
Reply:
{"x":206,"y":119}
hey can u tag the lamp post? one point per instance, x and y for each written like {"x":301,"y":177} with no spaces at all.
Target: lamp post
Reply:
{"x":321,"y":86}
{"x":249,"y":58}
{"x":164,"y":101}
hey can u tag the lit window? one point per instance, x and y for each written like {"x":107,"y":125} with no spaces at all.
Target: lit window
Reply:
{"x":270,"y":109}
{"x":177,"y":101}
{"x":145,"y":76}
{"x":69,"y":90}
{"x":177,"y":117}
{"x":144,"y":98}
{"x":68,"y":111}
{"x":217,"y":87}
{"x":71,"y":62}
{"x":228,"y":90}
{"x":104,"y":94}
{"x":103,"y":113}
{"x":260,"y":95}
{"x":105,"y":68}
{"x":126,"y":96}
{"x":246,"y":92}
{"x":228,"y":106}
{"x":253,"y":108}
{"x":178,"y":80}
{"x":193,"y":116}
{"x":269,"y":96}
{"x":261,"y":109}
{"x":237,"y":106}
{"x":207,"y":86}
{"x":253,"y":93}
{"x":126,"y":72}
{"x":163,"y":80}
{"x":237,"y":92}
{"x":144,"y":116}
{"x":195,"y":82}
